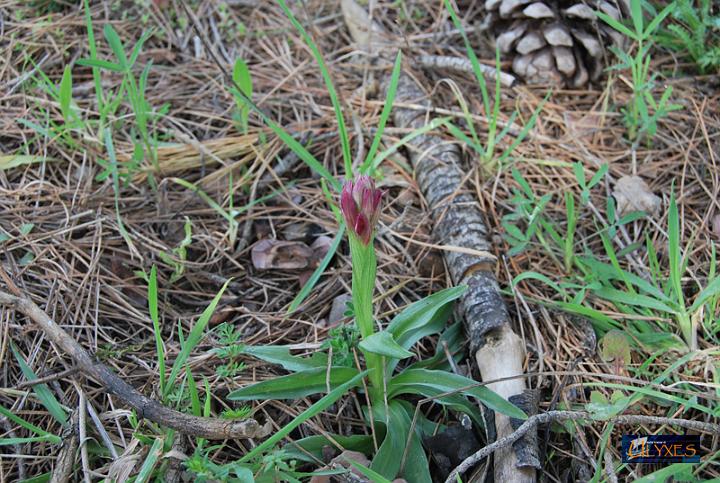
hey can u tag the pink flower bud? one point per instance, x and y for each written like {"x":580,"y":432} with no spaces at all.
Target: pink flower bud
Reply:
{"x":360,"y":205}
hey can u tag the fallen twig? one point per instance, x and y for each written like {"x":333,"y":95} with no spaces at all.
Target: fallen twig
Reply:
{"x":208,"y":428}
{"x":464,"y":65}
{"x":533,"y":421}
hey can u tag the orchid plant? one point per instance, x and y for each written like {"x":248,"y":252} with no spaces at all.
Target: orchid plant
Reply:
{"x":395,"y":443}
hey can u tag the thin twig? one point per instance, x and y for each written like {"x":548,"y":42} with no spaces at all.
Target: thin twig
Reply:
{"x":533,"y":421}
{"x":49,"y":378}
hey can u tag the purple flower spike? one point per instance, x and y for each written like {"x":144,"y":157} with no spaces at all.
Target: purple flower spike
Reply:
{"x":360,"y":205}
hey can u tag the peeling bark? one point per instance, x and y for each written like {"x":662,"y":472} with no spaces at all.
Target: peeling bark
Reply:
{"x":459,"y":221}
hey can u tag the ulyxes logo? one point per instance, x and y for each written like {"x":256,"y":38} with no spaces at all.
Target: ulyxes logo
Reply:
{"x":661,"y":449}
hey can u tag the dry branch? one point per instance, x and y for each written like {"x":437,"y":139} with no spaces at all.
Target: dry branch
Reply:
{"x":464,"y":65}
{"x":209,"y":428}
{"x":459,"y":221}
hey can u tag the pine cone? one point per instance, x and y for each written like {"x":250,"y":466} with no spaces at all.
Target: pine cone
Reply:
{"x":554,"y":41}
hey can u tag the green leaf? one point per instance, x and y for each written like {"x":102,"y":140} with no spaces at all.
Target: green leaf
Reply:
{"x":599,"y":175}
{"x":157,"y":331}
{"x":116,"y":45}
{"x":413,"y":319}
{"x":616,"y":25}
{"x":297,"y":385}
{"x":102,"y":64}
{"x":325,"y":402}
{"x":195,"y":405}
{"x":241,"y":76}
{"x":655,"y":22}
{"x":674,"y":472}
{"x":539,"y":277}
{"x":432,"y":383}
{"x":310,"y":449}
{"x":389,"y":458}
{"x":196,"y":333}
{"x":601,"y":409}
{"x":636,"y":14}
{"x":302,"y":295}
{"x":49,"y":438}
{"x":29,"y":426}
{"x":42,"y":391}
{"x":150,"y":461}
{"x":65,"y":93}
{"x":674,"y":257}
{"x":434,"y":124}
{"x":374,"y":476}
{"x":277,"y":354}
{"x":383,"y":343}
{"x":615,"y":347}
{"x":422,"y":318}
{"x":26,"y":228}
{"x":636,"y":300}
{"x":385,"y":114}
{"x":712,"y":290}
{"x":13,"y":161}
{"x":342,"y":130}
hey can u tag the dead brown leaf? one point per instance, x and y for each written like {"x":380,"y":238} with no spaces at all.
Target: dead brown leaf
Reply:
{"x":272,"y":254}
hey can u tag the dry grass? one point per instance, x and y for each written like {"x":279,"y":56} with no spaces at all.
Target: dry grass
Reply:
{"x":82,"y":273}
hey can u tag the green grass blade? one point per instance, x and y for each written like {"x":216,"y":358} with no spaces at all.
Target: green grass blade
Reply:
{"x":296,"y":385}
{"x":195,"y":405}
{"x":674,"y":257}
{"x":344,"y":141}
{"x":116,"y":188}
{"x":154,"y":316}
{"x":21,"y":422}
{"x":113,"y":39}
{"x":205,"y":197}
{"x":42,"y":391}
{"x":325,"y":402}
{"x":307,"y":288}
{"x":243,"y":79}
{"x":49,"y":438}
{"x":93,"y":55}
{"x":150,"y":461}
{"x":435,"y":123}
{"x":473,"y":58}
{"x":374,"y":476}
{"x":617,"y":25}
{"x":385,"y":114}
{"x":287,"y":138}
{"x":101,"y":64}
{"x":65,"y":93}
{"x":525,"y":130}
{"x":196,"y":333}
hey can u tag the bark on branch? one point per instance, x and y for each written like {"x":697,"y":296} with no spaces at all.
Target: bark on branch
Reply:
{"x":208,"y":428}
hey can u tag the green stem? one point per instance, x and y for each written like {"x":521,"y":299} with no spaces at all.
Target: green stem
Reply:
{"x":364,"y":269}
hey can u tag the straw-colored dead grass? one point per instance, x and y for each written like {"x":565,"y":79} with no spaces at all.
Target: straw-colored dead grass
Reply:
{"x":76,"y":265}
